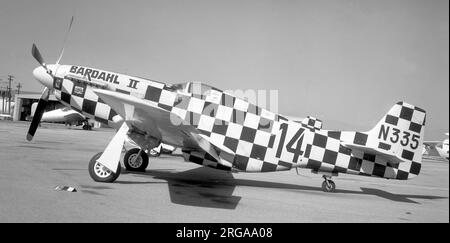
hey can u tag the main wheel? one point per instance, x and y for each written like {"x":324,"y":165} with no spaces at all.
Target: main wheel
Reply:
{"x":100,"y":173}
{"x":140,"y":164}
{"x":328,"y":187}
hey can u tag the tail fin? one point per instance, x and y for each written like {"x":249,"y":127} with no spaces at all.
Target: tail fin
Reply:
{"x":312,"y":123}
{"x":400,"y":133}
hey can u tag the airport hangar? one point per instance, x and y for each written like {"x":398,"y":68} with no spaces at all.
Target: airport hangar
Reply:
{"x":23,"y":102}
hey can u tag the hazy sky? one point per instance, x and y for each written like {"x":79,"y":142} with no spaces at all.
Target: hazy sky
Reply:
{"x":345,"y":62}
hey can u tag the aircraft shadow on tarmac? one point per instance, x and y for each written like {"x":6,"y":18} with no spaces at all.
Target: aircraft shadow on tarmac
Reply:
{"x":206,"y":187}
{"x":200,"y":187}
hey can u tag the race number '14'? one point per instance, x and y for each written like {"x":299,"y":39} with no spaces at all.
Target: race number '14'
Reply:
{"x":295,"y":141}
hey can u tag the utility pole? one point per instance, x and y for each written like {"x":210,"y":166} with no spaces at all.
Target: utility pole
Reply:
{"x":10,"y":79}
{"x":18,"y":88}
{"x":3,"y":102}
{"x":3,"y":96}
{"x":2,"y":92}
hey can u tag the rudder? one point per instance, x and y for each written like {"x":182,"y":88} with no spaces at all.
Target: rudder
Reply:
{"x":401,"y":133}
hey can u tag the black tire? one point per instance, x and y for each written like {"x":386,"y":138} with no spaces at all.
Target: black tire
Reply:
{"x":154,"y":153}
{"x":139,"y":165}
{"x":100,"y":173}
{"x":328,"y":187}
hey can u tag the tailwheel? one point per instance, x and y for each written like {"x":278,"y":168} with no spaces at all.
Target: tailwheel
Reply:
{"x":135,"y":160}
{"x":328,"y":185}
{"x":100,"y":173}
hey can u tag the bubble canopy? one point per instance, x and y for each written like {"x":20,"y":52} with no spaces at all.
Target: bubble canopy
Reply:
{"x":195,"y":88}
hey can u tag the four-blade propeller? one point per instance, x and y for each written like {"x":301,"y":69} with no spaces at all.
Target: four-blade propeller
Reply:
{"x":38,"y":113}
{"x":37,"y":55}
{"x":46,"y":93}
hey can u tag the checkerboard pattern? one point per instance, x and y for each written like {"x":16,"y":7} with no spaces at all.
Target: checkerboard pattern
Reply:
{"x":83,"y":100}
{"x":312,"y":123}
{"x":261,"y":141}
{"x":243,"y":128}
{"x":326,"y":150}
{"x":203,"y":158}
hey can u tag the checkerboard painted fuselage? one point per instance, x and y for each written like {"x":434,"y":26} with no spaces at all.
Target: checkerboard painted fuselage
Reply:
{"x":250,"y":138}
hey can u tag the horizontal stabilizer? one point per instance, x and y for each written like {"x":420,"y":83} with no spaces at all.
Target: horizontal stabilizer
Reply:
{"x":388,"y":155}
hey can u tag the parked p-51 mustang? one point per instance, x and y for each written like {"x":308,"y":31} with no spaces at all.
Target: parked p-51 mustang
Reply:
{"x":216,"y":129}
{"x":437,"y":148}
{"x":63,"y":115}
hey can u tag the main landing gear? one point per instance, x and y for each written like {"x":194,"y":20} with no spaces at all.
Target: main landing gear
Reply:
{"x":134,"y":160}
{"x":100,"y":173}
{"x":328,"y":185}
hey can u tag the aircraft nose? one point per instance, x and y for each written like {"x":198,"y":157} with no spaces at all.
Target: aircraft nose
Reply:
{"x":41,"y":75}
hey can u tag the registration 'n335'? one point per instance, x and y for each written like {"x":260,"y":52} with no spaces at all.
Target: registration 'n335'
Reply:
{"x":395,"y":135}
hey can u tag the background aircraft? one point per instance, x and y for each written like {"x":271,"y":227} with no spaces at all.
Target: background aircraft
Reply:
{"x":218,"y":130}
{"x":64,"y":115}
{"x":5,"y":117}
{"x":162,"y":149}
{"x":437,"y":148}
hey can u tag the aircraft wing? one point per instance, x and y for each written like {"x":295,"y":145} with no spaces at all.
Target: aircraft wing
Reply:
{"x":391,"y":157}
{"x":431,"y":143}
{"x":145,"y":115}
{"x":430,"y":148}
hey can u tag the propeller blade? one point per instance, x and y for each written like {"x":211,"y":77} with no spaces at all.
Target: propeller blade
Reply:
{"x":65,"y":40}
{"x":37,"y":55}
{"x":38,"y":114}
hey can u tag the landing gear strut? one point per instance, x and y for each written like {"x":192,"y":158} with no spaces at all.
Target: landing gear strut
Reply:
{"x":328,"y":185}
{"x":105,"y":166}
